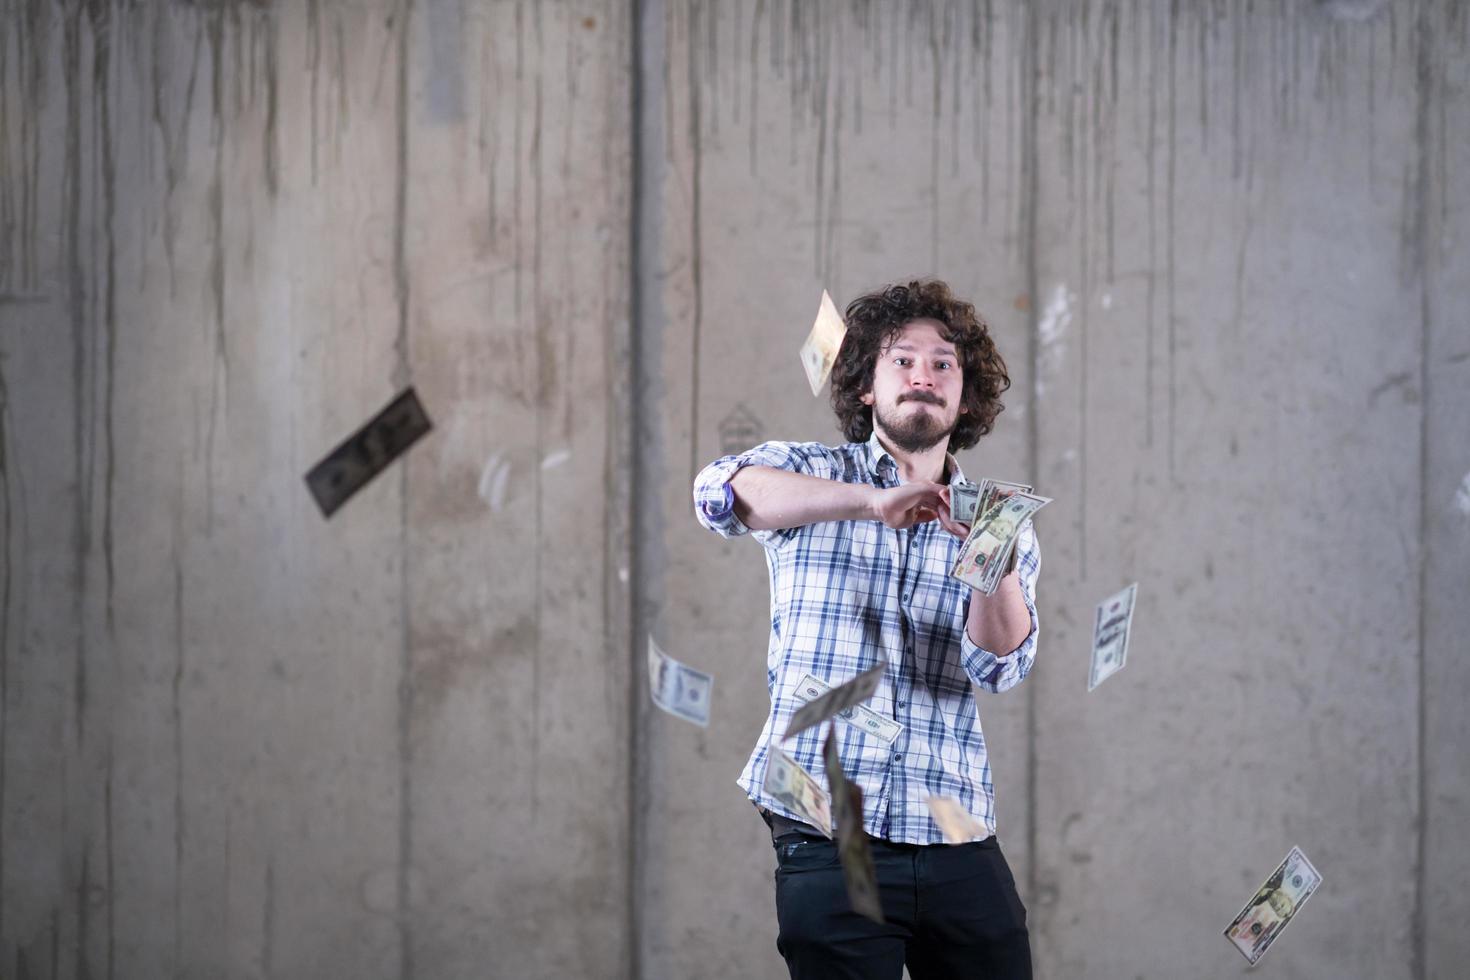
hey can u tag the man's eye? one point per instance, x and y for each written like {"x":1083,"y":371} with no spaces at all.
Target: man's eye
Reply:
{"x":944,"y":365}
{"x":901,"y":361}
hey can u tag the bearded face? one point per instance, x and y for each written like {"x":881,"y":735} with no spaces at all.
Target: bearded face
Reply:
{"x":917,"y":386}
{"x":914,"y":430}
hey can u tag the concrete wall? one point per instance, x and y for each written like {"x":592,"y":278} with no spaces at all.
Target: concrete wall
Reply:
{"x":1223,"y":249}
{"x":240,"y":740}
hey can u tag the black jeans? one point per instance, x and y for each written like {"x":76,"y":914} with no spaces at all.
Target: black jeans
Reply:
{"x":952,"y":912}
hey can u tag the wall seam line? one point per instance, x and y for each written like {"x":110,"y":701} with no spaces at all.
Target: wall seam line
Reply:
{"x":1030,"y":112}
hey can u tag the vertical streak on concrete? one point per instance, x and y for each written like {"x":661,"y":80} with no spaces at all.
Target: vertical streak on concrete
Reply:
{"x":75,"y":298}
{"x":1422,"y":247}
{"x":645,"y":343}
{"x":111,"y":866}
{"x":543,"y":389}
{"x":1153,"y":265}
{"x":268,"y":922}
{"x":755,"y":78}
{"x":832,"y":247}
{"x":402,"y":377}
{"x":76,"y":301}
{"x":1030,"y":205}
{"x":6,"y":612}
{"x":819,"y":106}
{"x":1169,"y":221}
{"x":272,"y":85}
{"x":101,"y":80}
{"x":7,"y":207}
{"x":314,"y":70}
{"x":515,"y":181}
{"x":220,"y":362}
{"x":84,"y":919}
{"x":178,"y":736}
{"x":696,"y":232}
{"x":936,"y":57}
{"x":225,"y":891}
{"x":1086,"y":137}
{"x":37,"y":41}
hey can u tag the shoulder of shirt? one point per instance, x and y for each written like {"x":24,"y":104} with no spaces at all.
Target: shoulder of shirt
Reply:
{"x":849,"y":450}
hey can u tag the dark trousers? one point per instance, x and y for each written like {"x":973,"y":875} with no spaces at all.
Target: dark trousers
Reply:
{"x":951,"y":912}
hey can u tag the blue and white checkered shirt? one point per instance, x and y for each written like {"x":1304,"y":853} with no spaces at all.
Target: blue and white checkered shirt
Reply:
{"x":846,"y":595}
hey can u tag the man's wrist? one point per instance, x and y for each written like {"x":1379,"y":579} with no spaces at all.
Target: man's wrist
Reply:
{"x":1010,"y":567}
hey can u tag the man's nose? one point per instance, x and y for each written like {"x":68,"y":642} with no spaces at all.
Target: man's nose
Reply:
{"x":921,"y":377}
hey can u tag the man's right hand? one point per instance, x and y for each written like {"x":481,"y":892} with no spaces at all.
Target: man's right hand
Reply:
{"x":914,"y":503}
{"x":767,"y":498}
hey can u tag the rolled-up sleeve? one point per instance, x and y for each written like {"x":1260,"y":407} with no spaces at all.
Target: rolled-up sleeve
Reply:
{"x":714,"y":499}
{"x":993,"y":673}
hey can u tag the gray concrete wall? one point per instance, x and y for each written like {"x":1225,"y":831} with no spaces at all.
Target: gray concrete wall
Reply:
{"x":1223,"y":249}
{"x":239,"y":740}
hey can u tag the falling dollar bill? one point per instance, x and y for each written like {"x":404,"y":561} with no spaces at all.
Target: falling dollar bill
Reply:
{"x":794,"y":788}
{"x":1263,"y":918}
{"x":955,"y":822}
{"x":678,"y":688}
{"x":839,"y":698}
{"x":819,"y":352}
{"x":986,"y":552}
{"x":859,"y":716}
{"x":1110,"y":626}
{"x":367,"y":452}
{"x":852,"y":840}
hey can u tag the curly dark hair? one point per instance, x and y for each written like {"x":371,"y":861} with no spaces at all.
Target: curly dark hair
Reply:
{"x":875,"y":319}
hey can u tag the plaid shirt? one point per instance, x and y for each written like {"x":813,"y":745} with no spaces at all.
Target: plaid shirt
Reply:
{"x":846,"y":595}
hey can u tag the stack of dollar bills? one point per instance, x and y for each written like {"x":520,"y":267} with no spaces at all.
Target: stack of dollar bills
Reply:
{"x":995,"y":511}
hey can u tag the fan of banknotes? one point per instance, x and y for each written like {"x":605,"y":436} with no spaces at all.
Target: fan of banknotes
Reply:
{"x":995,"y":511}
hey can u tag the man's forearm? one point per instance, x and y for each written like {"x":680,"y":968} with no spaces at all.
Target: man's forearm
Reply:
{"x":767,"y":499}
{"x":999,"y":623}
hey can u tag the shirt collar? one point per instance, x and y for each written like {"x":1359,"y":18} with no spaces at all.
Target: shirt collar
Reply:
{"x":877,"y":454}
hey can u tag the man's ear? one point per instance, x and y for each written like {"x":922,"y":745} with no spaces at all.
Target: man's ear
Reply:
{"x":867,"y":398}
{"x":964,"y":409}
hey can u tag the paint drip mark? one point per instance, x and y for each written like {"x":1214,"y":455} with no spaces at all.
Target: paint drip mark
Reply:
{"x":494,"y":479}
{"x":1056,"y":316}
{"x":1462,"y":497}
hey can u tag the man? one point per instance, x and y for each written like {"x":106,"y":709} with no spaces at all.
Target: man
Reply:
{"x":859,"y":542}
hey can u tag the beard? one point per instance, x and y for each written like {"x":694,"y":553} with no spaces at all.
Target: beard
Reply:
{"x":916,"y":431}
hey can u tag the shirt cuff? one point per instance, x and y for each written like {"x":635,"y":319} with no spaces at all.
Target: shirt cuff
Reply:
{"x":715,"y":498}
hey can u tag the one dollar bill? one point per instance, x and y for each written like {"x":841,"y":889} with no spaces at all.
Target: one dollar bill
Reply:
{"x":678,"y":688}
{"x":794,"y":788}
{"x":964,"y":501}
{"x":819,"y":352}
{"x":859,"y":716}
{"x":367,"y":452}
{"x":1110,"y":627}
{"x":838,"y":699}
{"x":1261,"y":921}
{"x":853,"y":851}
{"x":955,"y":822}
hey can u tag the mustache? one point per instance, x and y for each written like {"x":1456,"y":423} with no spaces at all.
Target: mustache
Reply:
{"x":928,"y":397}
